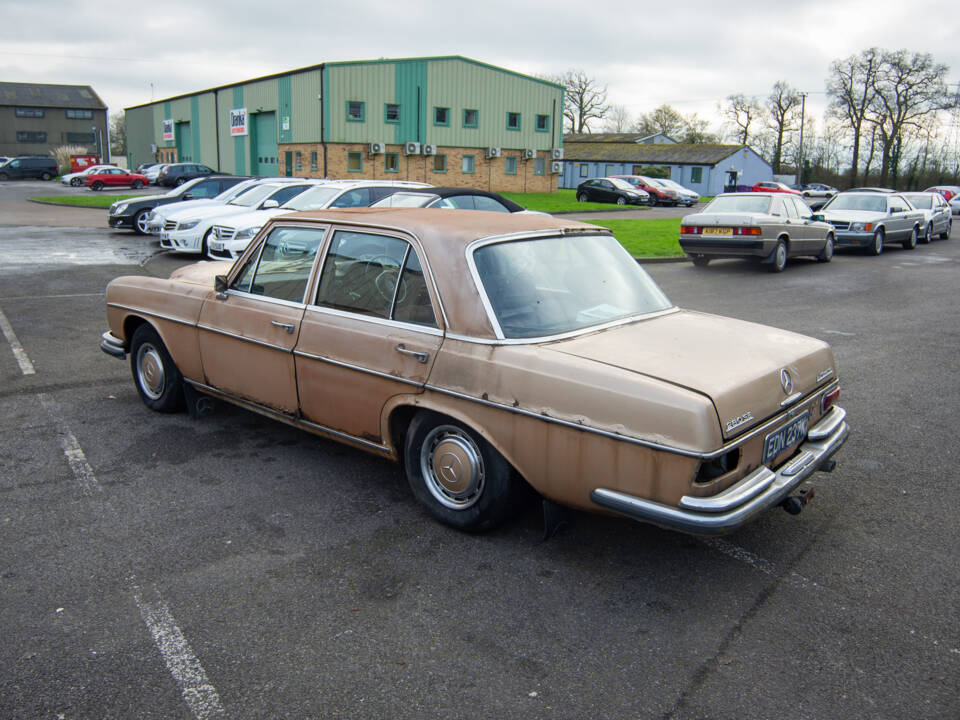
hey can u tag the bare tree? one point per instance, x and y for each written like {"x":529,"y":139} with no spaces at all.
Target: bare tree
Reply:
{"x":697,"y":130}
{"x":850,"y":88}
{"x":665,"y":119}
{"x":741,"y":112}
{"x":584,"y":99}
{"x":618,"y":119}
{"x":118,"y":133}
{"x":783,"y":105}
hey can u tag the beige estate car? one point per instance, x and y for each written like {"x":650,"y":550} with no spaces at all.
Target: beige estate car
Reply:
{"x":485,"y":350}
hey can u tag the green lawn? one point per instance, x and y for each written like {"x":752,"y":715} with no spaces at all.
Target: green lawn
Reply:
{"x":92,"y":201}
{"x":562,"y":201}
{"x":646,"y":238}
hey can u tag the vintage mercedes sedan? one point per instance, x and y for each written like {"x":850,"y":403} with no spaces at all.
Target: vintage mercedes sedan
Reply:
{"x":490,"y":351}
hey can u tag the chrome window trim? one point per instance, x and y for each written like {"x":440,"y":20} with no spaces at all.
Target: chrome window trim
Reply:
{"x":425,"y":329}
{"x":261,"y":343}
{"x":357,"y":368}
{"x":264,"y":298}
{"x":725,"y":448}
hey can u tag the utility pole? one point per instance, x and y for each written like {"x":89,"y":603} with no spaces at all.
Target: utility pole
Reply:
{"x":803,"y":117}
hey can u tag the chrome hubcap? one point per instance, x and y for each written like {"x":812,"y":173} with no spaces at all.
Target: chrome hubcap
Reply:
{"x":150,"y":371}
{"x":452,"y":467}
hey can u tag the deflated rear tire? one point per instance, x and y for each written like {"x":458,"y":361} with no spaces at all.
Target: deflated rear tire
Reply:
{"x":457,"y":475}
{"x":157,"y":378}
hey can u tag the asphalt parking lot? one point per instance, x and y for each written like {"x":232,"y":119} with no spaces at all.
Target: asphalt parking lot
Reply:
{"x":163,"y":566}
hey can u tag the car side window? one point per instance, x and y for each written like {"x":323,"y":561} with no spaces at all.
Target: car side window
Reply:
{"x":284,"y":194}
{"x":896,"y":205}
{"x":358,"y":197}
{"x":205,"y":189}
{"x":461,"y":202}
{"x":803,"y":210}
{"x":489,"y":204}
{"x":375,"y":275}
{"x":791,"y":209}
{"x":283,"y":267}
{"x":777,"y":208}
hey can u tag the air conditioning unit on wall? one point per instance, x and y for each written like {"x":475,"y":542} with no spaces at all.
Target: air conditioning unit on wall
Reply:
{"x":556,"y":167}
{"x":429,"y":149}
{"x":376,"y":148}
{"x":529,"y":154}
{"x":411,"y":148}
{"x":556,"y":154}
{"x":493,"y":152}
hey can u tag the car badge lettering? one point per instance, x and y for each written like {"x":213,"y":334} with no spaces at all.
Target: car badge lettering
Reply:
{"x":825,"y":374}
{"x":738,"y":421}
{"x":786,"y":382}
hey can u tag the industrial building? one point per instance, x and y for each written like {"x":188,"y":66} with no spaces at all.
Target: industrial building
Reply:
{"x":444,"y":120}
{"x":37,"y":118}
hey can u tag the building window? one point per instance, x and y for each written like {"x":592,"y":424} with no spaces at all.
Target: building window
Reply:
{"x":539,"y":165}
{"x":584,"y":171}
{"x":28,"y":112}
{"x":391,"y":162}
{"x":299,"y":160}
{"x":543,"y":123}
{"x":31,"y":137}
{"x":510,"y":165}
{"x":354,"y":161}
{"x":441,"y":116}
{"x":391,"y":113}
{"x":439,"y":163}
{"x":466,"y":165}
{"x":513,"y":121}
{"x":471,"y":118}
{"x":696,"y":175}
{"x":80,"y":138}
{"x":79,"y":114}
{"x":611,"y":170}
{"x":638,"y":170}
{"x":313,"y":159}
{"x":356,"y":111}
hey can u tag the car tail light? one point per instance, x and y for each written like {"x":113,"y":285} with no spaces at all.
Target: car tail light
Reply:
{"x":690,"y":230}
{"x":828,"y":399}
{"x":747,"y":231}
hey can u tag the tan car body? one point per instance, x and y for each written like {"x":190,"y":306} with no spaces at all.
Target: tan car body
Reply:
{"x":631,"y":408}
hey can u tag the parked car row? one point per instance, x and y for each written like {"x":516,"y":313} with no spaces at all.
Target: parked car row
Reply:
{"x":635,"y":190}
{"x":775,"y":226}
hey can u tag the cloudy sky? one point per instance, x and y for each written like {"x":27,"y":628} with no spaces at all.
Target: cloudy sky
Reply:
{"x":690,"y":54}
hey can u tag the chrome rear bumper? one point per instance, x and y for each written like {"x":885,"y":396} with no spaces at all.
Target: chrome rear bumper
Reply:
{"x":740,"y":503}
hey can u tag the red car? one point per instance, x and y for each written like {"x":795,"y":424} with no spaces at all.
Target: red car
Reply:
{"x":774,"y":187}
{"x":948,"y":191}
{"x":115,"y":177}
{"x":659,"y":195}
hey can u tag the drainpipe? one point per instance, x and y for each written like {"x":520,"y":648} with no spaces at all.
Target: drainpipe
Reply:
{"x":323,"y":129}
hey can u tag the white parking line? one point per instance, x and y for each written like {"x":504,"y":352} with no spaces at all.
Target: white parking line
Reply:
{"x":26,"y":367}
{"x":195,"y":688}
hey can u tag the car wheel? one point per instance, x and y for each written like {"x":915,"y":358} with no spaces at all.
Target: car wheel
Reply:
{"x":180,"y":181}
{"x":700,"y":261}
{"x":460,"y":478}
{"x":928,"y":235}
{"x":154,"y":373}
{"x":45,"y":176}
{"x":877,"y":246}
{"x":140,"y":222}
{"x":945,"y":235}
{"x":581,"y":197}
{"x":97,"y":185}
{"x":621,"y":201}
{"x":911,"y":242}
{"x":4,"y":176}
{"x":203,"y":242}
{"x":137,"y":184}
{"x":826,"y":255}
{"x":75,"y":182}
{"x":779,"y":257}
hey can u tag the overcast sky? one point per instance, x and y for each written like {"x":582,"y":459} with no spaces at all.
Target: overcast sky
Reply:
{"x":689,"y":54}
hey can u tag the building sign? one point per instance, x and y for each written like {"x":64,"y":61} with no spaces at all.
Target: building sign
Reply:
{"x":285,"y":123}
{"x":167,"y":130}
{"x":238,"y":121}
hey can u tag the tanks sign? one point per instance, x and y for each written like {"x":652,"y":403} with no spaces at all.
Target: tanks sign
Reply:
{"x":238,"y":121}
{"x":167,"y":130}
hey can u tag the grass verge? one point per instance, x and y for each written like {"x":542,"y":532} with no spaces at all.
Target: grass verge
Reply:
{"x":563,"y":200}
{"x":91,"y":201}
{"x":646,"y":238}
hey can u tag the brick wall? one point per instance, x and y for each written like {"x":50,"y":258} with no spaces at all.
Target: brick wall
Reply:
{"x":487,"y":174}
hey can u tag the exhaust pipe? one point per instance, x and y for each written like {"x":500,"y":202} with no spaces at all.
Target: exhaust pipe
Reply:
{"x":796,"y":503}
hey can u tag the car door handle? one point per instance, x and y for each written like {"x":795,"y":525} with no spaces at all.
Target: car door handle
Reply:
{"x":286,"y":326}
{"x":420,"y":357}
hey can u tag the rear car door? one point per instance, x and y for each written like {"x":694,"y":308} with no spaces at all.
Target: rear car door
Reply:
{"x":900,"y":221}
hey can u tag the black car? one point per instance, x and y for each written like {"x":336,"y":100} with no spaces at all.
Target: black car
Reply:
{"x":611,"y":190}
{"x":132,"y":214}
{"x":179,"y":173}
{"x":43,"y":167}
{"x":450,"y":198}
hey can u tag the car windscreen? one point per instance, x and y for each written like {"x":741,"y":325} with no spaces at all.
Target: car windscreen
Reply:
{"x":738,"y":203}
{"x":234,"y":190}
{"x":549,"y":286}
{"x":622,"y":184}
{"x":254,"y":195}
{"x":921,"y":201}
{"x":315,"y":199}
{"x":868,"y":202}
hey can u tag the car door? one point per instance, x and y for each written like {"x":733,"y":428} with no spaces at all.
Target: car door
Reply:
{"x":810,"y":239}
{"x":370,"y":334}
{"x":247,"y":333}
{"x":900,"y":220}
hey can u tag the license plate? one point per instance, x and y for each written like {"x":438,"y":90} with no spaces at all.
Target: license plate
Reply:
{"x":216,"y":244}
{"x":718,"y":231}
{"x":787,"y":436}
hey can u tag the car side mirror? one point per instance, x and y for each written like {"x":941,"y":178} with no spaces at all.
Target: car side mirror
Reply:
{"x":220,"y":283}
{"x":819,"y":218}
{"x":188,"y":196}
{"x":267,"y":204}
